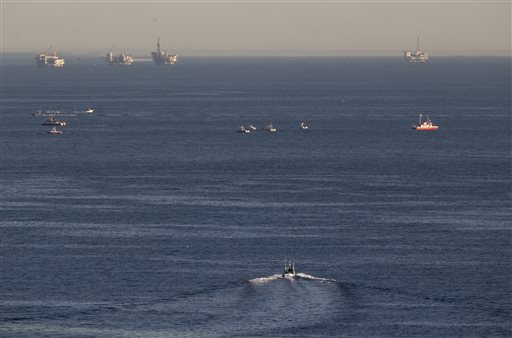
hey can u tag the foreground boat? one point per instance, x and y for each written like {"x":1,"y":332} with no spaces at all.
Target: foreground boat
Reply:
{"x":425,"y":123}
{"x":289,"y":269}
{"x":303,"y":126}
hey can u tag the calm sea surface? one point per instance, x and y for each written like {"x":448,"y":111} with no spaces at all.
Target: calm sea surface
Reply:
{"x":152,"y":217}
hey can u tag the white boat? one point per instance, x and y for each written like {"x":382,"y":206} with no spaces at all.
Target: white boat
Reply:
{"x":269,"y":127}
{"x":54,"y":131}
{"x":303,"y":126}
{"x":52,"y":121}
{"x":88,"y":110}
{"x":289,"y":269}
{"x":251,"y":127}
{"x":46,"y":113}
{"x":243,"y":130}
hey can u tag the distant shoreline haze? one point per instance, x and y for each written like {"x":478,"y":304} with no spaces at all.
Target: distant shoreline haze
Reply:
{"x":76,"y":58}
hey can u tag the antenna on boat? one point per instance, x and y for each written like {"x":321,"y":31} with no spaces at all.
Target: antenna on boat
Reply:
{"x":158,"y":45}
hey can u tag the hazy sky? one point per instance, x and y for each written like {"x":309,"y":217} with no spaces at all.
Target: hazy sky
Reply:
{"x":304,"y":28}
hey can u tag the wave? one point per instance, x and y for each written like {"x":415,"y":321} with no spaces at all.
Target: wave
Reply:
{"x":261,"y":280}
{"x":301,"y":275}
{"x":306,"y":276}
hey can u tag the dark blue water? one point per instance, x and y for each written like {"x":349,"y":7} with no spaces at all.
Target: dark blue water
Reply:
{"x":152,"y":217}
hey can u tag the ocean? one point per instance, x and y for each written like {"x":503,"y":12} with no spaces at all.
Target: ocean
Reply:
{"x":153,"y":217}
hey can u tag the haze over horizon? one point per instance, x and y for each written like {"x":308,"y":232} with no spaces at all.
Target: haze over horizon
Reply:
{"x":258,"y":28}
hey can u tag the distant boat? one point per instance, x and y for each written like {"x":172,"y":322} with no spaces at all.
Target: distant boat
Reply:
{"x":289,"y":269}
{"x":243,"y":130}
{"x":303,"y":126}
{"x":251,"y":127}
{"x":88,"y":110}
{"x":46,"y":113}
{"x":270,"y":128}
{"x":425,"y":123}
{"x":54,"y":131}
{"x":52,"y":121}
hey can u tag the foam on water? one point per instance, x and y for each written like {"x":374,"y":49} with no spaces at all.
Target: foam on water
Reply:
{"x":310,"y":277}
{"x":262,"y":280}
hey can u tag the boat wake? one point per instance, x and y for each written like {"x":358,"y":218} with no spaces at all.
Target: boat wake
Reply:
{"x":263,"y":280}
{"x":306,"y":276}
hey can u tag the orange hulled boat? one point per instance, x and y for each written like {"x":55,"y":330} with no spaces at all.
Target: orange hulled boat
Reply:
{"x":425,"y":123}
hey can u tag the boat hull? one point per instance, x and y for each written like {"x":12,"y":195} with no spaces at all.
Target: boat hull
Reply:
{"x":427,"y":128}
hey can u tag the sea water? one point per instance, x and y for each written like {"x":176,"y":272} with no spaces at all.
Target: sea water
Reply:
{"x":153,"y":217}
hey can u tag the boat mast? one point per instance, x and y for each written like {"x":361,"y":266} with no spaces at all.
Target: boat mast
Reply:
{"x":158,"y":45}
{"x":420,"y":118}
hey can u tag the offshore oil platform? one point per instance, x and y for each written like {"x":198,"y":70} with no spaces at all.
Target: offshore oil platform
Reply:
{"x":417,"y":56}
{"x":49,"y":59}
{"x":163,"y":58}
{"x":121,"y":59}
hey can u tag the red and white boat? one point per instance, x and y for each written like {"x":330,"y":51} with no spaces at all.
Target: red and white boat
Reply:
{"x":425,"y":123}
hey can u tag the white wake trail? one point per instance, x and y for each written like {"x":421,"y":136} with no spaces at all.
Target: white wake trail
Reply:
{"x":306,"y":276}
{"x":261,"y":280}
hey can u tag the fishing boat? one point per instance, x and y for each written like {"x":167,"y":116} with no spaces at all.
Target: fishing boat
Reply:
{"x":425,"y":123}
{"x":54,"y":131}
{"x":46,"y":113}
{"x":303,"y":126}
{"x":289,"y":269}
{"x":270,"y":128}
{"x":243,"y":130}
{"x":88,"y":110}
{"x":52,"y":121}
